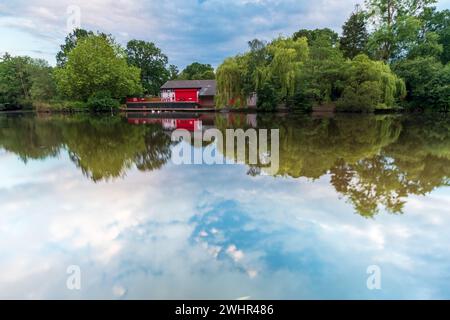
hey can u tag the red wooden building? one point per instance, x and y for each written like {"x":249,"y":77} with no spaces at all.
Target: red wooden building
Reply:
{"x":179,"y":95}
{"x":201,"y":92}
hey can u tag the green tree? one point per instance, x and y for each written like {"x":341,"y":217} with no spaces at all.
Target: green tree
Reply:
{"x":438,"y":22}
{"x":173,"y":72}
{"x":43,"y":86}
{"x":425,"y":82}
{"x":276,"y":66}
{"x":197,"y":71}
{"x":253,"y":61}
{"x":15,"y":81}
{"x":321,"y":78}
{"x":370,"y":85}
{"x":397,"y":24}
{"x":312,"y":36}
{"x":354,"y":35}
{"x":70,"y":43}
{"x":230,"y":83}
{"x":287,"y":58}
{"x":439,"y":90}
{"x":427,"y":46}
{"x":152,"y":63}
{"x":23,"y":80}
{"x":267,"y":97}
{"x":97,"y":65}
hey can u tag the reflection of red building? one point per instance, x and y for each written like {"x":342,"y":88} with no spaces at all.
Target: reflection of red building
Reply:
{"x":170,"y":122}
{"x":191,"y":121}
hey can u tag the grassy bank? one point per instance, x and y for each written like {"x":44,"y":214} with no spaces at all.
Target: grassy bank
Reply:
{"x":60,"y":106}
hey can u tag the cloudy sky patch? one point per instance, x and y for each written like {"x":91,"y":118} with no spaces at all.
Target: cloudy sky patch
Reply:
{"x":186,"y":30}
{"x":203,"y":30}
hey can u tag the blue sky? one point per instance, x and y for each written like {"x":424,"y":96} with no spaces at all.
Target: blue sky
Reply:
{"x":187,"y":30}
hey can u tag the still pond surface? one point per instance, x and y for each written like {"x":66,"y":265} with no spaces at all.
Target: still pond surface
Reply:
{"x":103,"y":193}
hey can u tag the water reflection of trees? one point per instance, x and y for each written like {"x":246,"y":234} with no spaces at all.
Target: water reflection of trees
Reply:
{"x":102,"y":148}
{"x":373,"y":161}
{"x":29,"y":139}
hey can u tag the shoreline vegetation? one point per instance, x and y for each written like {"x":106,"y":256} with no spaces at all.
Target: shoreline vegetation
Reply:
{"x":392,"y":56}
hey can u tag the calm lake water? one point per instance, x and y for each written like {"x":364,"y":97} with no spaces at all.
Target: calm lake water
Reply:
{"x":104,"y":194}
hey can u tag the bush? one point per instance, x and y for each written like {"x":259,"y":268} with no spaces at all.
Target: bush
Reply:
{"x":101,"y":102}
{"x":362,"y":98}
{"x":267,"y":97}
{"x":76,"y":106}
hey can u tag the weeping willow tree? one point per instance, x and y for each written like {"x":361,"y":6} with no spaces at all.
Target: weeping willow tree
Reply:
{"x":370,"y":85}
{"x":288,"y":71}
{"x":288,"y":57}
{"x":278,"y":65}
{"x":229,"y":83}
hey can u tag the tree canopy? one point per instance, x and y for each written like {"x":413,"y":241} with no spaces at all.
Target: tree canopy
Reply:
{"x":152,"y":63}
{"x":23,"y":79}
{"x":354,"y":35}
{"x":97,"y":65}
{"x":69,"y":44}
{"x":375,"y":64}
{"x":197,"y":71}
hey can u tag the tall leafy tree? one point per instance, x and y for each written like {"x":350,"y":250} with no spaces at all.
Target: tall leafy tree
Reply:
{"x":370,"y":85}
{"x":397,"y":24}
{"x":152,"y":62}
{"x":230,"y":82}
{"x":255,"y":60}
{"x":321,"y":35}
{"x":438,"y":23}
{"x":43,"y":87}
{"x":69,"y":44}
{"x":354,"y":35}
{"x":274,"y":68}
{"x":427,"y":82}
{"x":97,"y":65}
{"x":15,"y":81}
{"x":321,"y":78}
{"x":197,"y":71}
{"x":23,"y":79}
{"x":173,"y":72}
{"x":288,"y":56}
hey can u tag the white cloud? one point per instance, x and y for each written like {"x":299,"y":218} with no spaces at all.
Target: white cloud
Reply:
{"x":186,"y":30}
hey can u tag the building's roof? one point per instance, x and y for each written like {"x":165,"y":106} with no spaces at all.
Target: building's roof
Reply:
{"x":207,"y":87}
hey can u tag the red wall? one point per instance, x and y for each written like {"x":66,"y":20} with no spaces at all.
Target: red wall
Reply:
{"x":189,"y":95}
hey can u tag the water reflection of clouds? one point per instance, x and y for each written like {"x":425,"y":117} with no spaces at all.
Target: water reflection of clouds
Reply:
{"x":209,"y":232}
